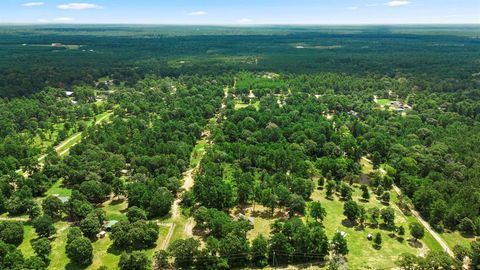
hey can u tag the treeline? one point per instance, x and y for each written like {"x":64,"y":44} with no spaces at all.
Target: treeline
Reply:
{"x":138,"y":52}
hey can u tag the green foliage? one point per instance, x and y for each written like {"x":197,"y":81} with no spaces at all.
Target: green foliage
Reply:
{"x":11,"y":232}
{"x":136,"y":260}
{"x":80,"y":251}
{"x":44,"y":226}
{"x":417,"y":230}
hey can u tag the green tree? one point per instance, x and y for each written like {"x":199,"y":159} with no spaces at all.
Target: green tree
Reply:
{"x":351,"y":211}
{"x":90,"y":226}
{"x":378,"y":240}
{"x":279,"y":249}
{"x":42,"y":248}
{"x":136,"y":260}
{"x":80,"y":251}
{"x":417,"y":231}
{"x":11,"y":232}
{"x":467,"y":226}
{"x":259,"y":251}
{"x":184,"y":251}
{"x":365,"y":193}
{"x":134,"y":214}
{"x":386,"y":197}
{"x":317,"y":211}
{"x":53,"y":207}
{"x":44,"y":226}
{"x":388,"y":216}
{"x":339,"y":244}
{"x":330,"y":188}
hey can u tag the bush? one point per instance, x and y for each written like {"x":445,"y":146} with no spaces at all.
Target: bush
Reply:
{"x":11,"y":232}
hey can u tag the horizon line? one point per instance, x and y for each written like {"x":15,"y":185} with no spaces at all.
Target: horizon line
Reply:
{"x":237,"y":24}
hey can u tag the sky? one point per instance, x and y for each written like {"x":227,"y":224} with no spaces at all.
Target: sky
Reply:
{"x":241,"y":12}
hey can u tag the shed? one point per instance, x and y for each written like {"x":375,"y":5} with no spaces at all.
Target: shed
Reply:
{"x":64,"y":199}
{"x":69,"y":93}
{"x":109,"y":224}
{"x":101,"y":234}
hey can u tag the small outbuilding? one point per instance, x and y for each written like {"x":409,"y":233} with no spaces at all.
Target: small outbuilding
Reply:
{"x":109,"y":224}
{"x":370,"y":236}
{"x":101,"y":234}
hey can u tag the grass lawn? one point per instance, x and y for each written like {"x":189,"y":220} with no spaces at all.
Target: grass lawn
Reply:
{"x":197,"y":153}
{"x":58,"y":257}
{"x":103,"y":253}
{"x":57,"y":188}
{"x":456,"y":238}
{"x":240,"y":105}
{"x":28,"y":234}
{"x":384,"y":102}
{"x":115,"y":210}
{"x":362,"y":253}
{"x":261,"y":222}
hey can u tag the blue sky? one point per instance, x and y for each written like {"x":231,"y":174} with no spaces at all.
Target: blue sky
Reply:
{"x":241,"y":11}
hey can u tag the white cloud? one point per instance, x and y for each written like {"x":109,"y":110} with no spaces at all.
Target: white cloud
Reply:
{"x":78,"y":6}
{"x":245,"y":20}
{"x":42,"y":21}
{"x":197,"y":13}
{"x":397,"y":3}
{"x":64,"y":19}
{"x":33,"y":4}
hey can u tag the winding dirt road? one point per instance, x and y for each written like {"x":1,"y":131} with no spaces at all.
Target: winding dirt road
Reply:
{"x":188,"y":181}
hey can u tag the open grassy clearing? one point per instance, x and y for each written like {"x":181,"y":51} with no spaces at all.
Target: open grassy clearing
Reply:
{"x":58,"y":188}
{"x":58,"y":257}
{"x":240,"y":105}
{"x":198,"y":152}
{"x":456,"y":238}
{"x":384,"y":102}
{"x":362,"y":253}
{"x":115,"y":209}
{"x":28,"y":234}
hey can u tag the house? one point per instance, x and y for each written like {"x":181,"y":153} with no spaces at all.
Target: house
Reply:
{"x":69,"y":93}
{"x":57,"y":44}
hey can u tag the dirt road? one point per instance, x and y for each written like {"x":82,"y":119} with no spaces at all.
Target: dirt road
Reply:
{"x":425,"y":224}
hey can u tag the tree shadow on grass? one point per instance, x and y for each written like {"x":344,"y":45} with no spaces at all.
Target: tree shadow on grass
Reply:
{"x":347,"y":223}
{"x":74,"y":266}
{"x":117,"y":201}
{"x":415,"y":243}
{"x":467,"y":235}
{"x":113,"y":250}
{"x":377,"y":247}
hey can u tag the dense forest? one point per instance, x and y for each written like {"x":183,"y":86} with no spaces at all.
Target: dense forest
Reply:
{"x":219,"y":148}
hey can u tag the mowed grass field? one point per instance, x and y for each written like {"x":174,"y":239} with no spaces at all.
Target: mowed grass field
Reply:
{"x":362,"y":253}
{"x":456,"y":238}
